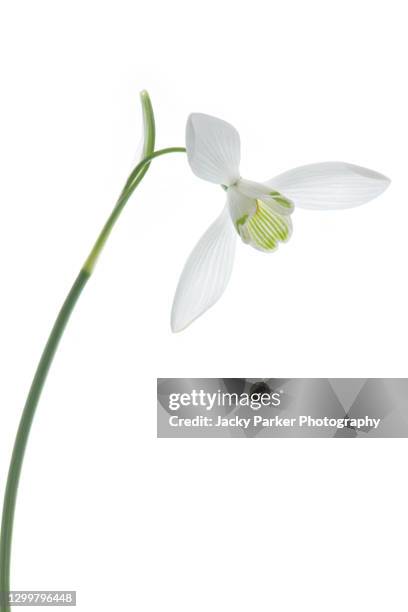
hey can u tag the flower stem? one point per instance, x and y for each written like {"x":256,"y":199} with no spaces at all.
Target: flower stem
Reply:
{"x":23,"y":433}
{"x":133,"y":181}
{"x":57,"y":331}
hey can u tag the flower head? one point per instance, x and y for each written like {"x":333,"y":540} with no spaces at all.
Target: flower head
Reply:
{"x":259,"y":213}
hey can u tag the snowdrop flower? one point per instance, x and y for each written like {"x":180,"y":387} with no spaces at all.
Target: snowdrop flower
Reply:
{"x":259,"y":213}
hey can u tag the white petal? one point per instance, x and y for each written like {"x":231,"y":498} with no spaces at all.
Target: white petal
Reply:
{"x":262,"y":191}
{"x":206,"y":273}
{"x":241,"y":206}
{"x":213,"y":149}
{"x":330,"y":185}
{"x":253,"y":189}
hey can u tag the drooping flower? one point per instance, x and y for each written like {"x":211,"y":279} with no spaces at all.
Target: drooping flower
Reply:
{"x":259,"y":213}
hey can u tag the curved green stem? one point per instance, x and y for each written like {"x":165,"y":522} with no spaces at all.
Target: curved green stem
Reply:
{"x":23,"y":433}
{"x":132,"y":183}
{"x":57,"y":331}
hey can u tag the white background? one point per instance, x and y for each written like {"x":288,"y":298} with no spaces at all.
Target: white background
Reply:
{"x":129,"y":521}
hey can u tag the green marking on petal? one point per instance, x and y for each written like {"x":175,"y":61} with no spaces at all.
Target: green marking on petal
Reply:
{"x":281,"y":200}
{"x":266,"y":228}
{"x":241,"y":221}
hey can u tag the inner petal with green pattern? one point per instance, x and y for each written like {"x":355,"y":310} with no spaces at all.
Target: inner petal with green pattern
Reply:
{"x":266,"y":228}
